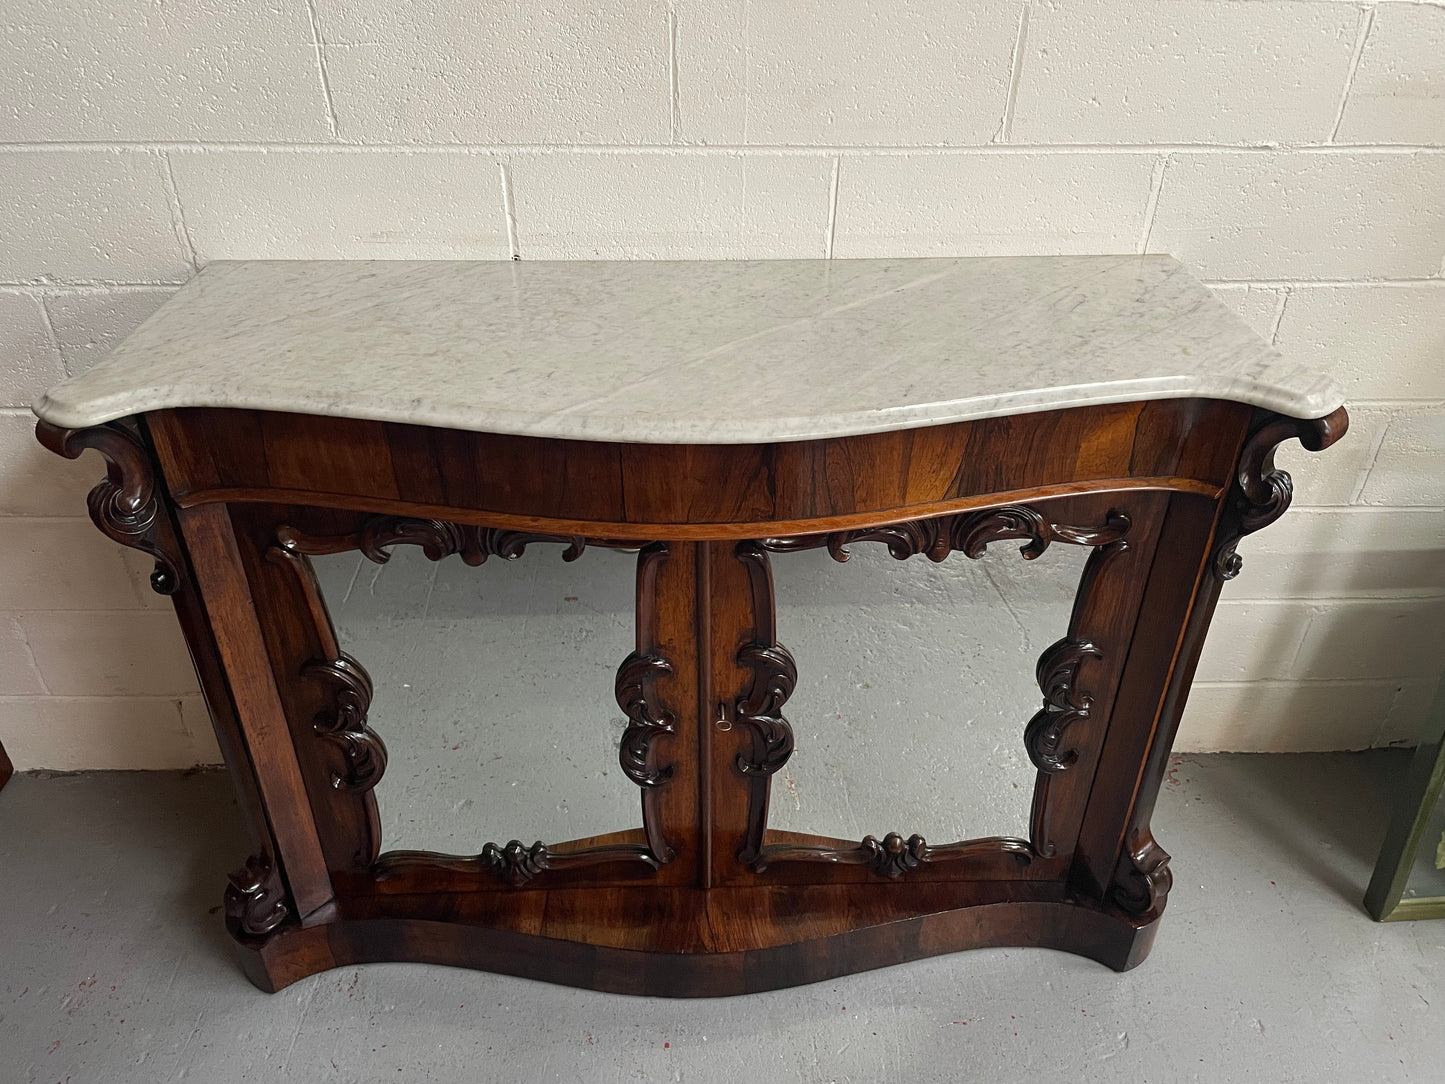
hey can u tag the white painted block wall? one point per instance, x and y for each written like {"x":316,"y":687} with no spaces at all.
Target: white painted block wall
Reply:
{"x":1292,"y":153}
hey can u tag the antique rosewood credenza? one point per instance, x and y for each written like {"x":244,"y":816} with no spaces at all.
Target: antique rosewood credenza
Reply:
{"x":708,"y":416}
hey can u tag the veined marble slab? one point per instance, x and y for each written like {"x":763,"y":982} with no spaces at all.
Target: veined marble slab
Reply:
{"x":680,"y":353}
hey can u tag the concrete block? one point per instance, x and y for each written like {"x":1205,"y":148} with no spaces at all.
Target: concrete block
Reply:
{"x":37,"y":482}
{"x":849,"y":73}
{"x":29,"y":361}
{"x":109,"y":652}
{"x":1410,"y":466}
{"x":65,"y":733}
{"x":991,"y":204}
{"x":1379,"y":342}
{"x":1328,"y":553}
{"x":1256,"y":305}
{"x":1398,"y":93}
{"x":1253,"y":641}
{"x":648,"y":206}
{"x":87,"y":215}
{"x":1373,"y":639}
{"x":71,"y":70}
{"x":18,"y":672}
{"x":506,"y":73}
{"x":90,"y":324}
{"x":1095,"y":72}
{"x":64,"y":563}
{"x":1284,"y":716}
{"x":346,"y":205}
{"x":1301,"y":215}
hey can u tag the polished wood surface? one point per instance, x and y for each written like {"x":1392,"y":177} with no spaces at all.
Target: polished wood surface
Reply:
{"x":649,"y":492}
{"x":702,"y":897}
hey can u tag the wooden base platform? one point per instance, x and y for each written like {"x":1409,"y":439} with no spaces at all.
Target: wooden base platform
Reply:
{"x":716,"y":944}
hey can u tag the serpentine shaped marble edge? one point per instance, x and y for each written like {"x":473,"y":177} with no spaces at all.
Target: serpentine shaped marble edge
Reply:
{"x":703,"y":352}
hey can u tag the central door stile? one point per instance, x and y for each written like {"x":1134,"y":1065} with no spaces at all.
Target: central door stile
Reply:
{"x":706,"y":712}
{"x":742,"y":747}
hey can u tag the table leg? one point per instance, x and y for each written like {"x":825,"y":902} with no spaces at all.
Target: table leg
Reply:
{"x":129,"y":506}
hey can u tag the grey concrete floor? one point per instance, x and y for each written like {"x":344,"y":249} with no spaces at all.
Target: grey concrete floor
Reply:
{"x":114,"y":967}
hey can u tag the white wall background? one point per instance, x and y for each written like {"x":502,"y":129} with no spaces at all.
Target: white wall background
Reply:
{"x":1291,"y":153}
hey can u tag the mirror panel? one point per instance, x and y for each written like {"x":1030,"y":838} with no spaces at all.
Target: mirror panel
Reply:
{"x":494,"y":692}
{"x":915,"y":682}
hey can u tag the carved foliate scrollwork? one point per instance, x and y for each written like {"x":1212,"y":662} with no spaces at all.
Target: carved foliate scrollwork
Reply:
{"x":1064,"y":704}
{"x":515,"y":863}
{"x":125,"y":505}
{"x":344,"y":722}
{"x":759,"y":709}
{"x":966,"y":532}
{"x":893,"y":856}
{"x":255,"y":900}
{"x":971,"y":534}
{"x":1262,"y":492}
{"x":1144,"y":880}
{"x":437,"y":539}
{"x":644,"y":722}
{"x":775,"y":675}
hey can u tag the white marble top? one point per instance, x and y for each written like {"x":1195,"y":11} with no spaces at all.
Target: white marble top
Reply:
{"x":700,"y":352}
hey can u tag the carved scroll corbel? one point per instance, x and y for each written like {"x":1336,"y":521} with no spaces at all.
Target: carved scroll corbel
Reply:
{"x":255,"y":900}
{"x":1143,"y":881}
{"x":1262,"y":492}
{"x":126,"y":504}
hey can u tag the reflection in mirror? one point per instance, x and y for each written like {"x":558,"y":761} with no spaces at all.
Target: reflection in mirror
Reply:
{"x":915,"y":682}
{"x":494,"y":692}
{"x":1427,"y":869}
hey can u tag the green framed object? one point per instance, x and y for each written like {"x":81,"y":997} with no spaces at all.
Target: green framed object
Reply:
{"x":1409,"y":880}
